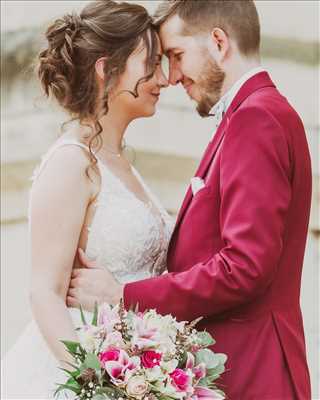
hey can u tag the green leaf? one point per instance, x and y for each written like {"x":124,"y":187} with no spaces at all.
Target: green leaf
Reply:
{"x":71,"y":365}
{"x":72,"y":382}
{"x":74,"y":389}
{"x":92,"y":361}
{"x":183,"y":360}
{"x":205,"y":339}
{"x":95,"y":314}
{"x":83,"y":319}
{"x":203,"y":382}
{"x":71,"y":346}
{"x":73,"y":374}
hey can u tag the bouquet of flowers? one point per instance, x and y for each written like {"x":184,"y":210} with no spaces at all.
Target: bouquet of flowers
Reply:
{"x":141,"y":356}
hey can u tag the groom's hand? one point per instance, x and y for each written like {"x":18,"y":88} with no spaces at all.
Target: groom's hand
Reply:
{"x":92,"y":283}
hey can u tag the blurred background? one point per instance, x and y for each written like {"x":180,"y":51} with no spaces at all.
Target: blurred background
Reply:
{"x":167,"y":147}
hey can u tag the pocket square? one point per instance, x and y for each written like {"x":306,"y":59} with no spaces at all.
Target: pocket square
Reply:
{"x":197,"y":184}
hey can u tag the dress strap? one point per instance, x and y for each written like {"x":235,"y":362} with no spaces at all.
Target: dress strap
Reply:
{"x":46,"y":157}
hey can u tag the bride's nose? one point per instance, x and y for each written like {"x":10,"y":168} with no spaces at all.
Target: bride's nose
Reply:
{"x":162,"y":79}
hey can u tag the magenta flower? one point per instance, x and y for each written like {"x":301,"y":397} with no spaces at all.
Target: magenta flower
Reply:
{"x":109,"y":355}
{"x":119,"y":365}
{"x":180,"y":380}
{"x":150,"y":359}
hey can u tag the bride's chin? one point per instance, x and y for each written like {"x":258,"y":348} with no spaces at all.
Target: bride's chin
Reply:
{"x":148,"y":111}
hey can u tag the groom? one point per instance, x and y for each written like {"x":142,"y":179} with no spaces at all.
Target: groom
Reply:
{"x":237,"y":250}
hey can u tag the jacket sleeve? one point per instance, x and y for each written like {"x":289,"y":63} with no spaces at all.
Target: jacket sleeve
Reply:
{"x":255,"y":194}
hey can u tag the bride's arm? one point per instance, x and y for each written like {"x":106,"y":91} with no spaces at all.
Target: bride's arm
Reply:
{"x":59,"y":200}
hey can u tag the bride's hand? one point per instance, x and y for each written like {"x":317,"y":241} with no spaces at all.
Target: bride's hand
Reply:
{"x":91,"y":284}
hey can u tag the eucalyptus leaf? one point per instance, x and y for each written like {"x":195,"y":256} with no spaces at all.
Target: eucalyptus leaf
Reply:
{"x":213,"y":374}
{"x":100,"y":397}
{"x":205,"y":339}
{"x":208,"y":357}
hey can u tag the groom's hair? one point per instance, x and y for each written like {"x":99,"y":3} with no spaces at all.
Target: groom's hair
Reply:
{"x":237,"y":18}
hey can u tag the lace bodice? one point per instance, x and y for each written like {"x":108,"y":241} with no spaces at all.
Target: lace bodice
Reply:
{"x":127,"y":235}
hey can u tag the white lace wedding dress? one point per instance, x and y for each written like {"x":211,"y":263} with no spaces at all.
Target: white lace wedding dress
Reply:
{"x":127,"y":236}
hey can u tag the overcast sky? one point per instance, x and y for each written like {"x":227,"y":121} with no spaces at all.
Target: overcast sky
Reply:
{"x":285,"y":18}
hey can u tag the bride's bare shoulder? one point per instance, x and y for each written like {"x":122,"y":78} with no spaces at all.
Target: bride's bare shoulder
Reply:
{"x":67,"y":167}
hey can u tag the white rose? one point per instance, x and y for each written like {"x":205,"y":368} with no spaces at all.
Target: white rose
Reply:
{"x":137,"y":387}
{"x":154,"y":374}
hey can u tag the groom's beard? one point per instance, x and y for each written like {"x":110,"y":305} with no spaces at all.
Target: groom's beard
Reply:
{"x":211,"y":85}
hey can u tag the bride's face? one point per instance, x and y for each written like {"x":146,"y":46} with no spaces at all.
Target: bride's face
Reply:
{"x":148,"y":92}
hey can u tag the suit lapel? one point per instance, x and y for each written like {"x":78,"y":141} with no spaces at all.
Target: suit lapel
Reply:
{"x":204,"y":165}
{"x":258,"y":81}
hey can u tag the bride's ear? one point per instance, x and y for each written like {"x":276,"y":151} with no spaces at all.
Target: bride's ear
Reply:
{"x":100,"y":66}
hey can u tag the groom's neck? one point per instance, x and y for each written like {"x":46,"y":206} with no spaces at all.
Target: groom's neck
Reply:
{"x":235,"y":69}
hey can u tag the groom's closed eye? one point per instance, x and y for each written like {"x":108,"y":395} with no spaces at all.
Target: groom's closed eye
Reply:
{"x":178,"y":56}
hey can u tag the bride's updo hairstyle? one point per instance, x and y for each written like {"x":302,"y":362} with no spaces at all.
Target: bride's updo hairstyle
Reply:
{"x":66,"y":68}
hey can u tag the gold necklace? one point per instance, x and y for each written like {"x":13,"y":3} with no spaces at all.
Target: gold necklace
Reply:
{"x":113,"y":152}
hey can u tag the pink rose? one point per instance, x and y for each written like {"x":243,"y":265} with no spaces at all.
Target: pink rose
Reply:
{"x":150,"y":359}
{"x":180,"y":380}
{"x":109,"y":355}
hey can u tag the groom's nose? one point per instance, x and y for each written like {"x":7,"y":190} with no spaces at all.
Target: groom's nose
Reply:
{"x":175,"y":75}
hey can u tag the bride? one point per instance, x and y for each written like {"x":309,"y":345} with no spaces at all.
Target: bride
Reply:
{"x":103,"y":67}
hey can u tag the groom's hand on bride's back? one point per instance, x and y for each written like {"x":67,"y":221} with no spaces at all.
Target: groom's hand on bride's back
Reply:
{"x":92,"y":283}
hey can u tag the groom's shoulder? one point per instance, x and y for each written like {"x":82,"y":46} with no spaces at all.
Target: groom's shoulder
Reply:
{"x":269,"y":103}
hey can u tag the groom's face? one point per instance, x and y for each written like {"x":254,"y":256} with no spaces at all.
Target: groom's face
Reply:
{"x":191,"y":64}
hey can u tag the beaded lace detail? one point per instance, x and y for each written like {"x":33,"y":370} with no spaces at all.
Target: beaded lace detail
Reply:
{"x":127,"y":235}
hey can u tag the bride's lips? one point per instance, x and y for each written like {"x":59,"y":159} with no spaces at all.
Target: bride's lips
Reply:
{"x":155,"y":95}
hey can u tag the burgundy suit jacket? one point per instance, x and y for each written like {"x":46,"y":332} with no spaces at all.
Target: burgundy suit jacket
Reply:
{"x":237,"y":250}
